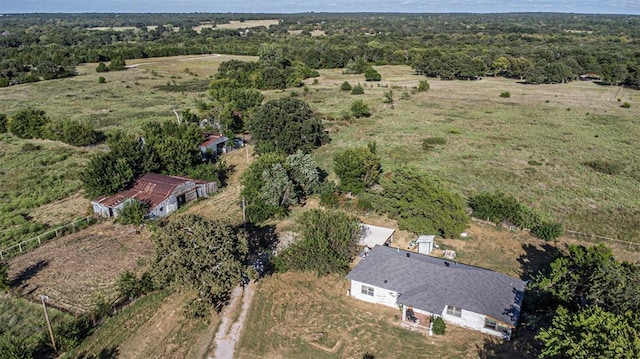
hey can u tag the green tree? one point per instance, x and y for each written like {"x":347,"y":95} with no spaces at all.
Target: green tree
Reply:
{"x":357,"y":169}
{"x":327,"y":244}
{"x":287,"y":125}
{"x":591,"y":333}
{"x":204,"y":255}
{"x":346,"y":86}
{"x":102,"y":67}
{"x":29,"y":123}
{"x":421,"y":204}
{"x":357,"y":90}
{"x":360,"y":109}
{"x":117,"y":64}
{"x":71,"y":132}
{"x":370,"y":74}
{"x":106,"y":174}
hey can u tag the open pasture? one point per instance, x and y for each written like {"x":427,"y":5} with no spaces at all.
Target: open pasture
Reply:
{"x":533,"y":144}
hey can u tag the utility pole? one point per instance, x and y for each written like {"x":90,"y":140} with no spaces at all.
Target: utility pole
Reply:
{"x":244,"y":213}
{"x":46,"y":315}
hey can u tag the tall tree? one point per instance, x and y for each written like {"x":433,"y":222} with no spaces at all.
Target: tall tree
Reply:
{"x":357,"y":169}
{"x":327,"y":244}
{"x":200,"y":254}
{"x":287,"y":125}
{"x":421,"y":204}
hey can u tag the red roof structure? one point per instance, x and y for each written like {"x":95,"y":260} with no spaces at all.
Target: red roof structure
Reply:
{"x":214,"y":140}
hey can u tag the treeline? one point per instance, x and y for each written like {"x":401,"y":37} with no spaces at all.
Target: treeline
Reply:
{"x":538,"y":48}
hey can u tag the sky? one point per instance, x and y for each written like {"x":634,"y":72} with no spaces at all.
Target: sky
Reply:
{"x":297,"y":6}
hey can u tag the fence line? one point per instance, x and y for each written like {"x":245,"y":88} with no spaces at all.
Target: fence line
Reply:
{"x":577,"y":235}
{"x":599,"y":239}
{"x":30,"y":243}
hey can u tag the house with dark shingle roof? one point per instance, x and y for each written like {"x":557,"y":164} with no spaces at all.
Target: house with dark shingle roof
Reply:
{"x":460,"y":294}
{"x":162,"y":194}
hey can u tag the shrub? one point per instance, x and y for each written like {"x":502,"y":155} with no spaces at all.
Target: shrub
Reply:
{"x":505,"y":94}
{"x":370,"y":74}
{"x":534,"y":163}
{"x":423,"y":85}
{"x":625,"y":105}
{"x":548,"y":231}
{"x":329,"y":195}
{"x":28,"y":123}
{"x":315,"y":81}
{"x":357,"y":168}
{"x":71,"y":132}
{"x":346,"y":86}
{"x":498,"y":207}
{"x":4,"y":276}
{"x":606,"y":167}
{"x":101,"y":80}
{"x":130,"y":286}
{"x":357,"y":90}
{"x":132,"y":213}
{"x":405,"y":96}
{"x":360,"y":109}
{"x":438,"y":326}
{"x":102,"y":67}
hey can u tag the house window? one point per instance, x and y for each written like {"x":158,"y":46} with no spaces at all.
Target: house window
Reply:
{"x":455,"y":311}
{"x":490,"y":323}
{"x":161,"y":209}
{"x":367,"y":290}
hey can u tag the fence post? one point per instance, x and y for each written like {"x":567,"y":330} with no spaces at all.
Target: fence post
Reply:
{"x":20,"y":247}
{"x":1,"y":257}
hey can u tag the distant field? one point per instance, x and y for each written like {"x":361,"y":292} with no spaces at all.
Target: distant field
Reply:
{"x":532,"y":145}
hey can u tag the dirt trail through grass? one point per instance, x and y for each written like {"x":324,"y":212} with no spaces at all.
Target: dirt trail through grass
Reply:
{"x":229,"y":331}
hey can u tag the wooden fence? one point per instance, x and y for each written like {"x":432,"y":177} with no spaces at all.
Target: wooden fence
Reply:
{"x":34,"y":242}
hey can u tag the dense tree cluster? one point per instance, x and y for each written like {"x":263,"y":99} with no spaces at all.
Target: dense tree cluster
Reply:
{"x":591,"y":302}
{"x":274,"y":182}
{"x":357,"y":168}
{"x":539,"y":48}
{"x":328,"y":241}
{"x":421,"y":204}
{"x":287,"y":125}
{"x":204,"y":255}
{"x":167,"y":147}
{"x":34,"y":123}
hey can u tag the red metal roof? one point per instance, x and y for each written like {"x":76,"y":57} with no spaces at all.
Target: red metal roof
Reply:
{"x":214,"y":140}
{"x":151,"y":188}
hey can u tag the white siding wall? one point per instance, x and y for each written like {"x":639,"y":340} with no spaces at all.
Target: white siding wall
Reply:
{"x":380,"y":295}
{"x":470,"y":320}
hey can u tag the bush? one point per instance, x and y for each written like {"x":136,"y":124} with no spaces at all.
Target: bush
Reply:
{"x":438,"y":326}
{"x":329,"y":195}
{"x":132,"y":213}
{"x":71,"y":132}
{"x":102,"y":67}
{"x":4,"y":276}
{"x":101,"y":80}
{"x":28,"y":123}
{"x":423,"y":85}
{"x":346,"y":86}
{"x":548,"y":231}
{"x":606,"y":167}
{"x":625,"y":105}
{"x":505,"y":94}
{"x":497,"y":207}
{"x":357,"y":90}
{"x":370,"y":74}
{"x":357,"y":168}
{"x":360,"y":109}
{"x":130,"y":286}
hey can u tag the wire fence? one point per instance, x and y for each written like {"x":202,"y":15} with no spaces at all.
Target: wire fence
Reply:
{"x":32,"y":243}
{"x":587,"y":237}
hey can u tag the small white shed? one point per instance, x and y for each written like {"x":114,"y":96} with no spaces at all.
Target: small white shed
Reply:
{"x":372,"y":235}
{"x":425,"y":244}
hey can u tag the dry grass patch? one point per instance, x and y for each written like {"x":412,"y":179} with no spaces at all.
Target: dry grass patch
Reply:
{"x":77,"y":269}
{"x":62,"y":211}
{"x":304,"y":316}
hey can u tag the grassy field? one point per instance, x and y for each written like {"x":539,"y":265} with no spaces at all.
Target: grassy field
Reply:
{"x":532,"y":145}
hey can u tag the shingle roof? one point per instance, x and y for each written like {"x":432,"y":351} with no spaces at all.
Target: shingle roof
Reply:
{"x":427,"y":283}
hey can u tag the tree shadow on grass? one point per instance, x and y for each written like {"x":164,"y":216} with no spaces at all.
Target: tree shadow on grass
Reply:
{"x":523,"y":345}
{"x":28,"y":273}
{"x":106,"y":353}
{"x":536,"y":259}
